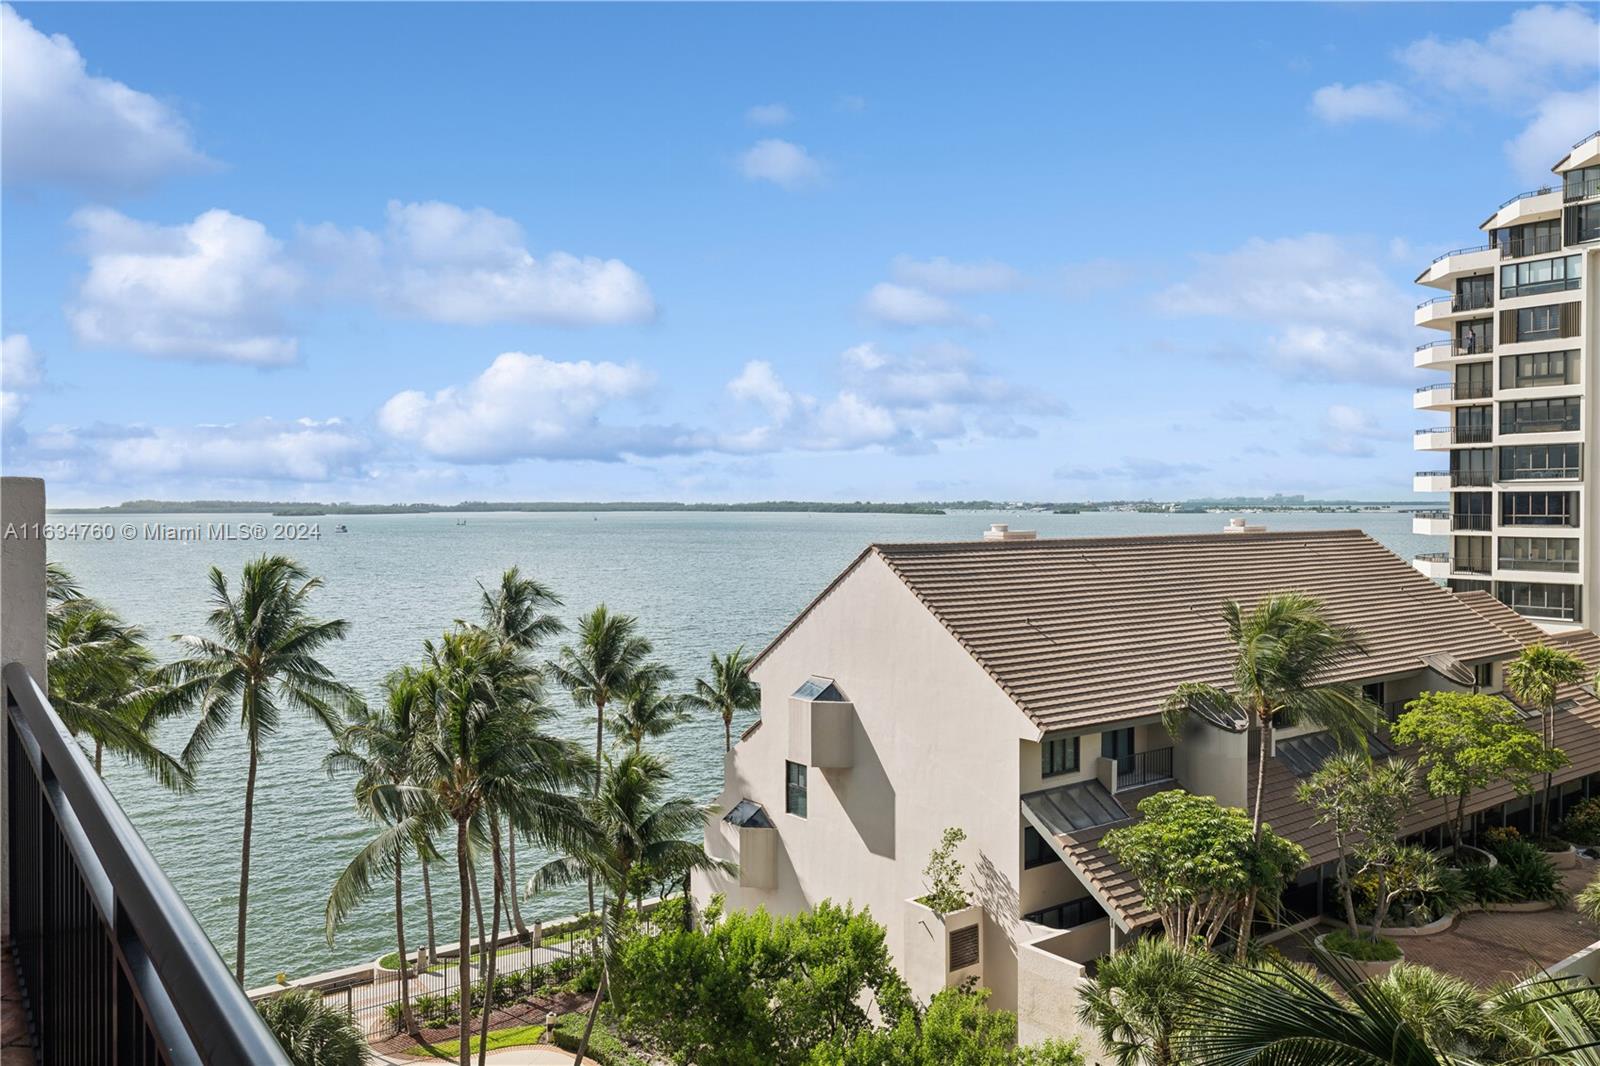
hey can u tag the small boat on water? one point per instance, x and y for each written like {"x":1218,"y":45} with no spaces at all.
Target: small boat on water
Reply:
{"x":341,"y":528}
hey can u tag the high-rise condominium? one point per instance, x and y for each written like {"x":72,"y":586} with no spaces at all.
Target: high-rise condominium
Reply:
{"x":1520,"y":347}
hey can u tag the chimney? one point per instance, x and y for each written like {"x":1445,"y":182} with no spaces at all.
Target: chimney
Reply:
{"x":1238,"y":525}
{"x":1003,"y":531}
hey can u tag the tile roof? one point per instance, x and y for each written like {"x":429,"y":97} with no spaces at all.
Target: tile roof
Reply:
{"x":1498,"y":614}
{"x":1084,"y":631}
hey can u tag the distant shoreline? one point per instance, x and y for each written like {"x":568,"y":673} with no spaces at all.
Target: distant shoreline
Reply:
{"x":297,"y":509}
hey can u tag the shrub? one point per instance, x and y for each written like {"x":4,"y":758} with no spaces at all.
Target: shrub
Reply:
{"x":1499,"y":836}
{"x":945,"y":874}
{"x":1490,"y":884}
{"x":1362,"y":949}
{"x":311,"y":1032}
{"x":1533,"y":875}
{"x":1582,"y":824}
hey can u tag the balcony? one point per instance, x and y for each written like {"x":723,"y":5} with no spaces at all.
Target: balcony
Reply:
{"x":1430,"y":523}
{"x":1435,"y":397}
{"x":1434,"y":439}
{"x":1457,"y":261}
{"x":1430,"y":481}
{"x":1462,"y":522}
{"x":1472,"y":300}
{"x":1573,"y":191}
{"x":1433,"y":564}
{"x":1539,"y":244}
{"x":1435,"y":355}
{"x":1143,"y":768}
{"x":1435,"y":312}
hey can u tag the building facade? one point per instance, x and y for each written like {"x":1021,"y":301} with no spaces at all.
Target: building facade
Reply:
{"x":1516,"y":425}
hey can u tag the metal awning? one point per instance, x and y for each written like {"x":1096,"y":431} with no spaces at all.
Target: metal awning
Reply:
{"x":748,"y":814}
{"x":1073,"y":808}
{"x":1305,"y":755}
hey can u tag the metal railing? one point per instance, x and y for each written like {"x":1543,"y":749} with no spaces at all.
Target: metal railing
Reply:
{"x":1432,"y":301}
{"x":1432,"y":557}
{"x":1581,"y":190}
{"x":1445,"y":343}
{"x":1471,"y":301}
{"x":1447,"y":386}
{"x":1430,"y":514}
{"x":1461,"y":251}
{"x":1068,"y":915}
{"x":1460,"y":434}
{"x":1524,"y":195}
{"x":1471,"y":523}
{"x":1143,"y":768}
{"x":1514,"y":247}
{"x":1583,"y":141}
{"x":111,"y":965}
{"x":1471,"y":479}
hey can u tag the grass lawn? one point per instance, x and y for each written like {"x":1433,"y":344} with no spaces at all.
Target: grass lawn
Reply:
{"x":514,"y":1036}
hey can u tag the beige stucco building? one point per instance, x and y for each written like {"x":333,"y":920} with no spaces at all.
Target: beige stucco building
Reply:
{"x":1010,"y":687}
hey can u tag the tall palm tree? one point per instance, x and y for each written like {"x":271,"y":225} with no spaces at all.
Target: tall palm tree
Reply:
{"x":485,"y":754}
{"x":635,"y":826}
{"x":645,"y":712}
{"x":1535,"y":677}
{"x":1140,"y":999}
{"x":727,"y":691}
{"x":104,"y":683}
{"x":260,"y":661}
{"x":378,"y":745}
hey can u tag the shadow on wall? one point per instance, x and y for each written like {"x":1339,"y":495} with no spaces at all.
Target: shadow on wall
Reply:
{"x":998,"y":897}
{"x":865,"y":793}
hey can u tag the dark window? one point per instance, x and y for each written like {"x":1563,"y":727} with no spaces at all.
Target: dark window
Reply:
{"x":1118,"y":744}
{"x":1467,"y":584}
{"x":1532,"y":462}
{"x":1058,"y":756}
{"x":1539,"y":368}
{"x":1551,"y":554}
{"x":1541,"y":601}
{"x":1580,"y":184}
{"x":1557,"y":415}
{"x":1470,"y":555}
{"x":1471,"y":467}
{"x":794,"y":793}
{"x":1583,"y":223}
{"x":1475,"y":336}
{"x":1537,"y":323}
{"x":1035,"y":852}
{"x":1541,"y":275}
{"x":1067,"y":915}
{"x":1472,"y":511}
{"x":1473,"y":293}
{"x":1539,"y":509}
{"x":1472,"y":425}
{"x":1474,"y":381}
{"x":1483,"y":675}
{"x":1534,"y":238}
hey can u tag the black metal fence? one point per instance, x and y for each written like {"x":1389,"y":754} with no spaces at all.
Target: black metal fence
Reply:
{"x":111,"y":965}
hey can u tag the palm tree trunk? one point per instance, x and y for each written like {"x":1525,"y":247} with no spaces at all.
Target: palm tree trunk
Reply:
{"x":1549,"y":724}
{"x":1264,"y":748}
{"x":244,"y":864}
{"x":599,"y":745}
{"x":727,"y":732}
{"x":97,"y":748}
{"x":515,"y":891}
{"x":494,"y":941}
{"x":465,"y":1012}
{"x":594,"y":1012}
{"x":406,"y":1019}
{"x":427,"y":898}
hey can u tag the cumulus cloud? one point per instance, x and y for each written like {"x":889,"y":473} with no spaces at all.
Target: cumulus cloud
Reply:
{"x":768,"y":115}
{"x":906,"y":305}
{"x":1340,"y":103}
{"x":1558,"y":120}
{"x":63,"y":124}
{"x":943,"y":275}
{"x":21,"y":371}
{"x":526,"y":407}
{"x":781,"y":162}
{"x":1350,"y":432}
{"x":215,"y":289}
{"x":1331,"y":312}
{"x":302,"y":450}
{"x":471,"y":266}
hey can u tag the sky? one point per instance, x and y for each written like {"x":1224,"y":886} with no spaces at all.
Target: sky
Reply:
{"x":415,"y":252}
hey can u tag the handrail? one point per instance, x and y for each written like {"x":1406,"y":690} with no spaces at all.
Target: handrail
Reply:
{"x":1432,"y":557}
{"x":1435,"y":344}
{"x":1432,"y":473}
{"x":1430,"y":514}
{"x":1434,"y":300}
{"x":1524,"y":195}
{"x":1436,"y":385}
{"x":1587,"y":139}
{"x":1461,"y":251}
{"x":184,"y":999}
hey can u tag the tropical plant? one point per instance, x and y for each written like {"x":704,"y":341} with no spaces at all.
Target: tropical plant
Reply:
{"x":260,"y":660}
{"x":104,"y":683}
{"x":1587,"y":901}
{"x":1138,"y":1003}
{"x":645,"y":712}
{"x":727,"y":691}
{"x":312,"y":1032}
{"x":1364,"y":804}
{"x":945,"y":873}
{"x":1469,"y":741}
{"x":485,"y":753}
{"x":1532,"y":873}
{"x":956,"y":1029}
{"x":1536,"y":677}
{"x":1196,"y":861}
{"x":1581,"y":825}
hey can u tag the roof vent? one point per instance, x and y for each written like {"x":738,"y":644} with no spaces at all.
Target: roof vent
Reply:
{"x":1238,"y":525}
{"x":1002,"y":531}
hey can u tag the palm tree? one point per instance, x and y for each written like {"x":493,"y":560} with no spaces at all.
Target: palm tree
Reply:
{"x":485,"y":754}
{"x":634,"y":827}
{"x":1139,"y":1000}
{"x":728,"y":691}
{"x":378,"y":745}
{"x":311,"y":1032}
{"x":645,"y":712}
{"x":104,"y":685}
{"x":1535,"y":677}
{"x":261,"y":660}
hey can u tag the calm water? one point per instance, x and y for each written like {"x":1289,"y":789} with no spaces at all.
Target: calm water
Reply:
{"x":698,"y":582}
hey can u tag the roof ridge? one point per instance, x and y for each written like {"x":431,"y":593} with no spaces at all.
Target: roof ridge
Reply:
{"x":1143,"y":538}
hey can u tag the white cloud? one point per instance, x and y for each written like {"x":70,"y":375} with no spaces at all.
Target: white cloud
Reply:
{"x":768,"y":115}
{"x":1518,"y":60}
{"x":471,"y":266}
{"x":63,"y":124}
{"x":213,"y":289}
{"x":781,"y":162}
{"x":303,"y":450}
{"x":1559,"y":120}
{"x":1332,"y":312}
{"x":21,"y":371}
{"x":1340,"y":103}
{"x":947,"y":276}
{"x":905,"y":305}
{"x":526,"y":406}
{"x":1350,"y":432}
{"x":759,"y":383}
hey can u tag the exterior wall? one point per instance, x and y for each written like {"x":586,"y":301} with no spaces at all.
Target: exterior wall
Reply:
{"x":22,"y":629}
{"x":1049,"y":990}
{"x":1213,"y":762}
{"x":935,"y":744}
{"x":1047,"y":885}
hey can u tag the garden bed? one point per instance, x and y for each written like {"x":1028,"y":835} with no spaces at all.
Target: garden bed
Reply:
{"x":1368,"y":967}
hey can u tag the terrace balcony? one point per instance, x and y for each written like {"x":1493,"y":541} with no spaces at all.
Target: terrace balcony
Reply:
{"x":1433,"y":564}
{"x":1531,"y":206}
{"x":1458,"y":262}
{"x":1430,"y":523}
{"x":1438,"y":396}
{"x":1430,"y":481}
{"x":1435,"y":312}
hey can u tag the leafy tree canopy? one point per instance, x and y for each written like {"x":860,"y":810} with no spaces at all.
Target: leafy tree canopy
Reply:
{"x":1470,"y":741}
{"x":957,"y":1029}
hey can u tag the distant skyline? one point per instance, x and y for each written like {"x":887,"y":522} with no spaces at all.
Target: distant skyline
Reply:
{"x":387,"y":253}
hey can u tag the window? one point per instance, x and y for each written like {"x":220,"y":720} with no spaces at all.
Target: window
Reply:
{"x":1474,"y":381}
{"x":1539,"y":323}
{"x":1035,"y":852}
{"x":1118,"y":744}
{"x":1470,"y":555}
{"x":1475,"y":336}
{"x":1472,"y":425}
{"x":1483,"y":675}
{"x":1539,"y":509}
{"x":1580,"y":184}
{"x":1583,"y":223}
{"x":1541,"y":601}
{"x":1471,"y":466}
{"x":1058,"y":756}
{"x":794,"y":793}
{"x":1532,"y":462}
{"x":1473,"y":293}
{"x":1552,"y":554}
{"x":1472,"y":511}
{"x":1558,"y":415}
{"x":1530,"y":239}
{"x":1539,"y":368}
{"x":1467,"y":584}
{"x":1541,"y":275}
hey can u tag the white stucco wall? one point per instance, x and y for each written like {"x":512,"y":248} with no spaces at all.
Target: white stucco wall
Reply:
{"x":935,"y":745}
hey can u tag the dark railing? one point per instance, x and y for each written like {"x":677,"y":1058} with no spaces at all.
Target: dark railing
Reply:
{"x":1461,"y":251}
{"x":1471,"y":301}
{"x":1585,"y":140}
{"x":1068,"y":915}
{"x":1144,"y":767}
{"x":1437,"y":385}
{"x":1524,"y":195}
{"x":1430,"y":514}
{"x":1581,"y":190}
{"x":1472,"y":523}
{"x":1430,"y":302}
{"x":1470,"y":479}
{"x":1513,"y":247}
{"x":111,"y":965}
{"x":1445,"y":343}
{"x":1432,"y":557}
{"x":1432,"y":473}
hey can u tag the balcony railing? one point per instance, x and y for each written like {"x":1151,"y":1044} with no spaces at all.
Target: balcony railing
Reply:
{"x":1581,"y":190}
{"x":1445,"y":343}
{"x":1461,"y":251}
{"x":1513,"y":247}
{"x":1470,"y":479}
{"x":1470,"y":523}
{"x":1068,"y":915}
{"x":1435,"y":515}
{"x":1460,"y":434}
{"x":1143,"y":768}
{"x":1471,"y":301}
{"x":1432,"y":557}
{"x":1549,"y":566}
{"x":1434,"y":300}
{"x":111,"y":965}
{"x":1524,"y":195}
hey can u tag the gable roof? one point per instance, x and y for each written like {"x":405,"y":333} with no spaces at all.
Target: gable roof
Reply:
{"x":1085,"y":631}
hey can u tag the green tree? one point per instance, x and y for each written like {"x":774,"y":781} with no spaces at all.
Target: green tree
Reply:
{"x":1196,"y":861}
{"x":1139,"y":1000}
{"x":1469,"y":741}
{"x":727,"y":691}
{"x":311,"y":1032}
{"x":1364,"y":804}
{"x":945,"y":875}
{"x":260,"y":660}
{"x":1536,"y":677}
{"x":645,"y":712}
{"x":957,"y":1029}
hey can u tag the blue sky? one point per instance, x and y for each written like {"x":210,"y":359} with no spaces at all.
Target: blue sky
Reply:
{"x":401,"y":252}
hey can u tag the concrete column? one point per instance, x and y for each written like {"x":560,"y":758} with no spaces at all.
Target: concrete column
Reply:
{"x":22,"y":632}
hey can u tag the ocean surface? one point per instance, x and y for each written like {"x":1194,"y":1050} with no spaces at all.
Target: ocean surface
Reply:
{"x":697,"y":582}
